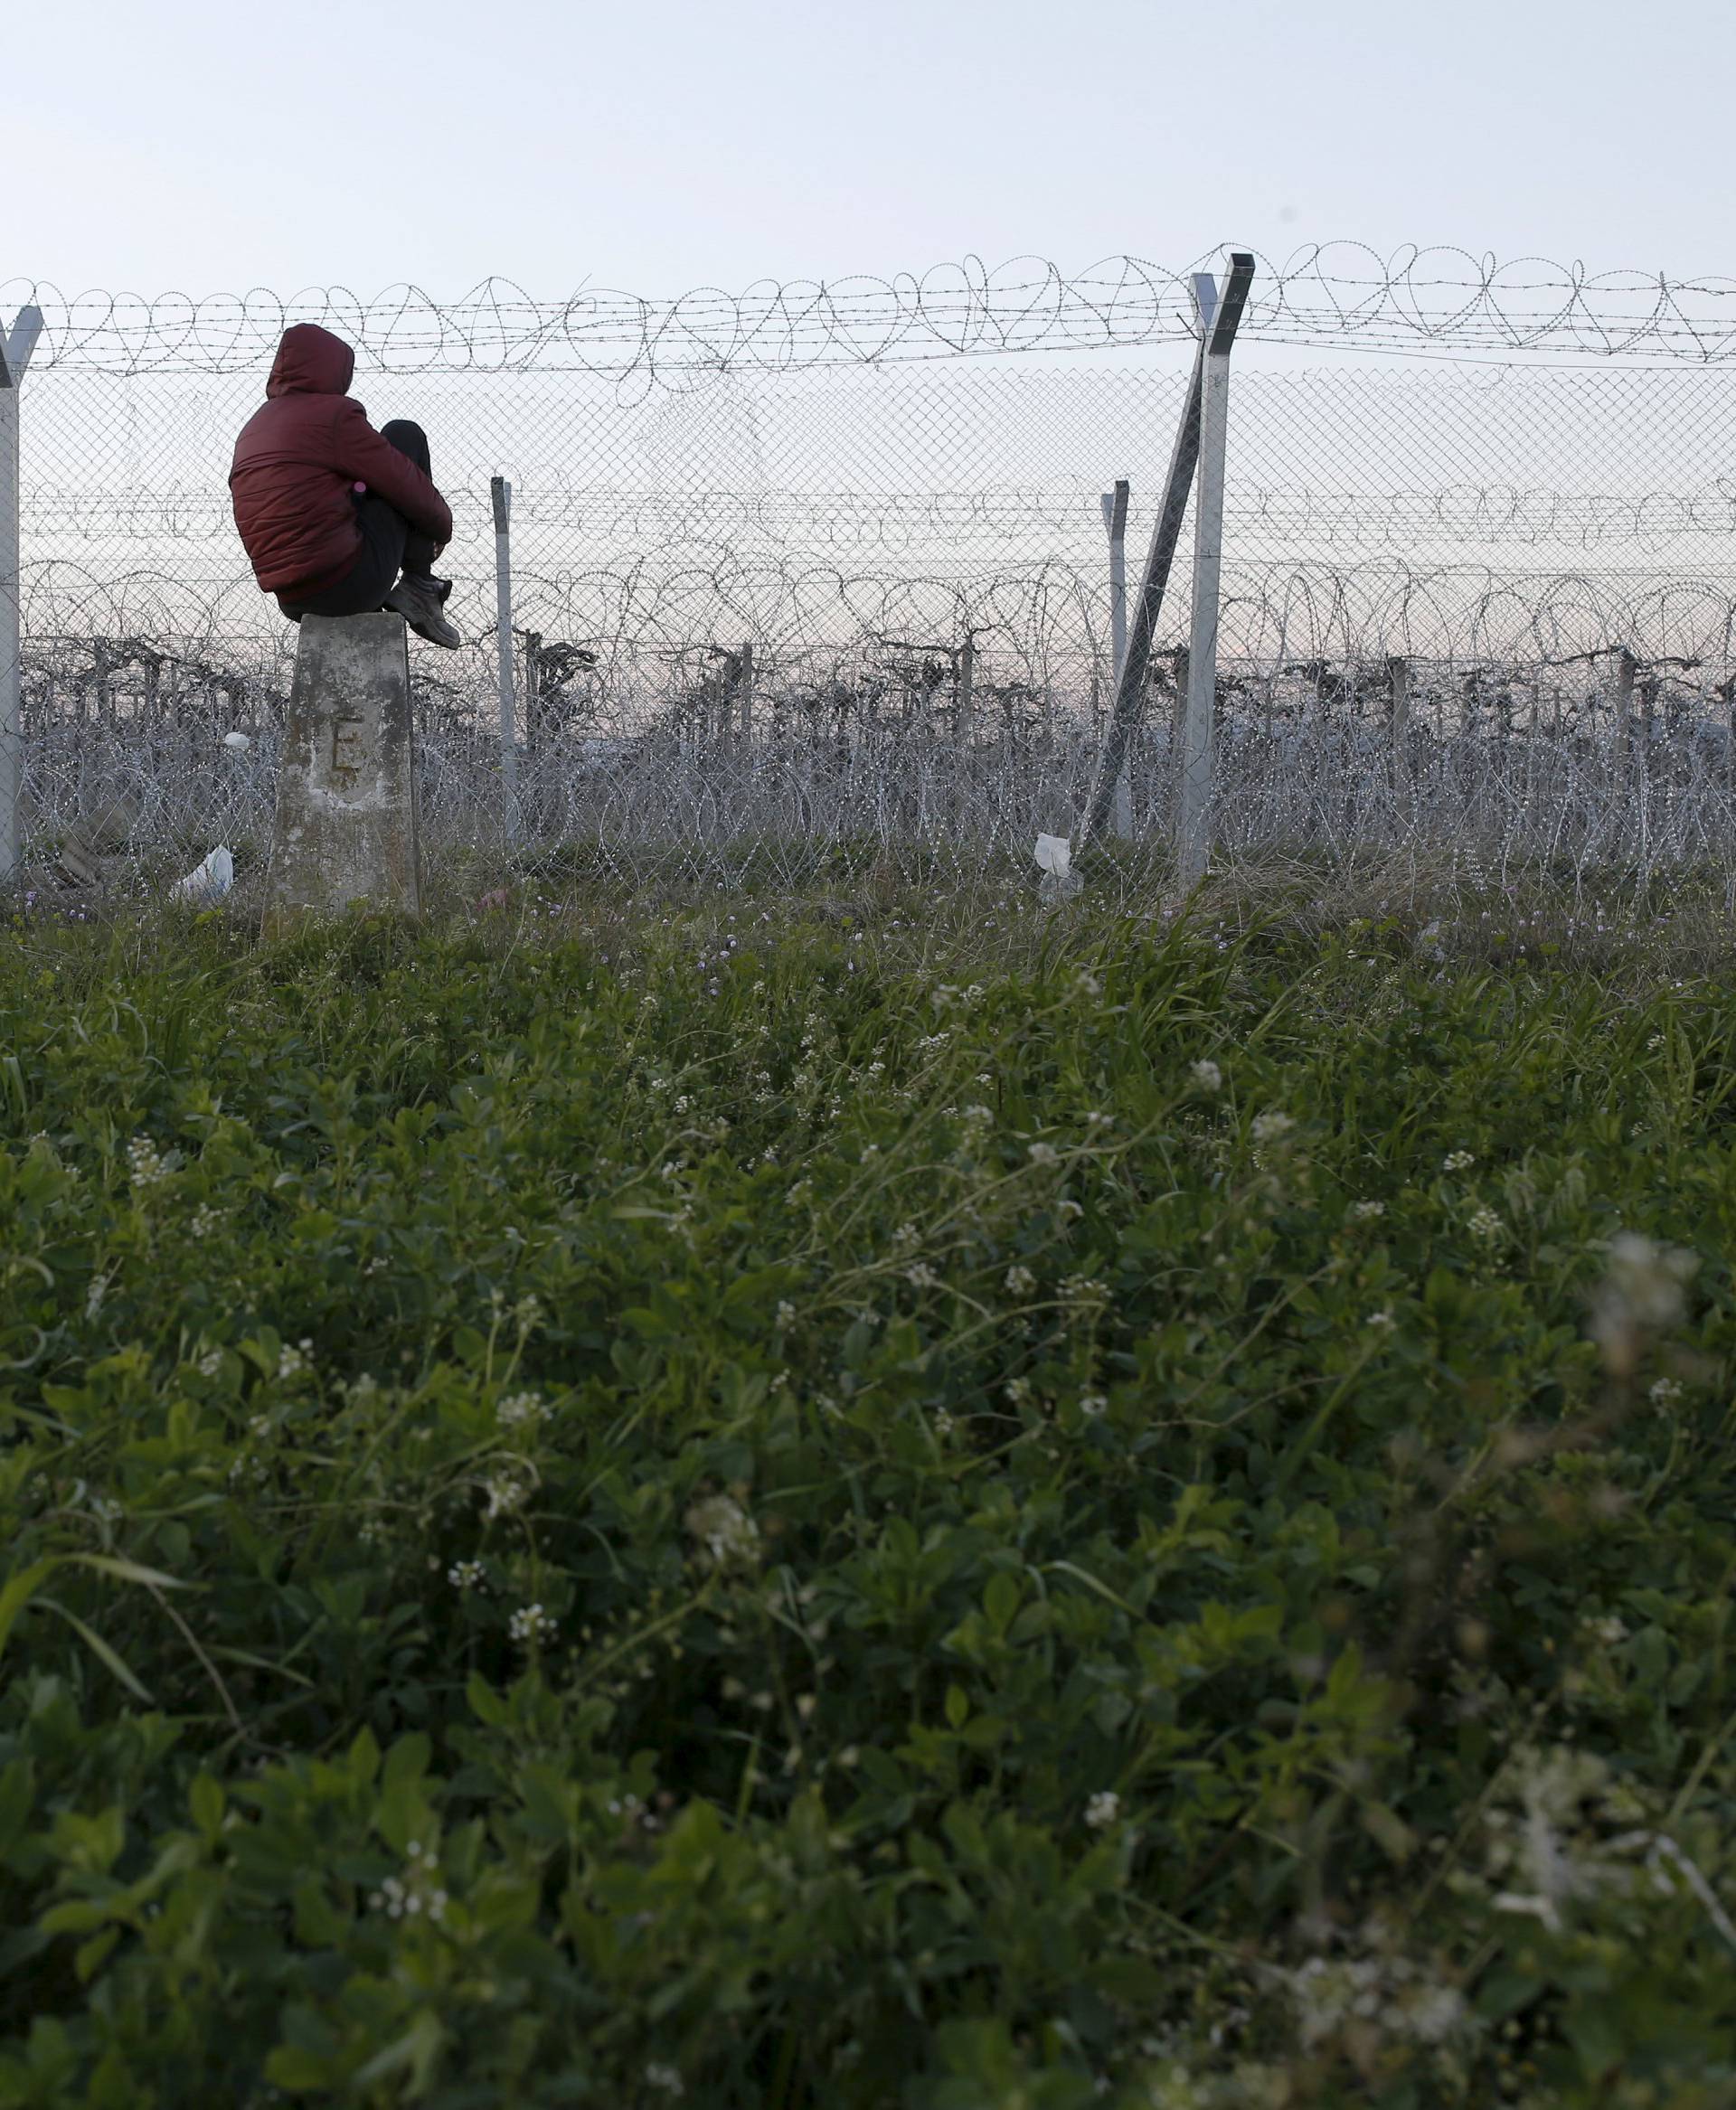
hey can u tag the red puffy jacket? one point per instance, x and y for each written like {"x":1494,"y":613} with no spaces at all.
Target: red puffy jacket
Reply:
{"x":299,"y":460}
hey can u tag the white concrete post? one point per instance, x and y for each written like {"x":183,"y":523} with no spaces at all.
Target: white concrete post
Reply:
{"x":1115,"y":523}
{"x":1199,"y":733}
{"x":15,"y":348}
{"x":500,"y":493}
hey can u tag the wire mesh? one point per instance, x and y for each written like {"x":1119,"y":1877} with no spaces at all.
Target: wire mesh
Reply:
{"x":812,"y":576}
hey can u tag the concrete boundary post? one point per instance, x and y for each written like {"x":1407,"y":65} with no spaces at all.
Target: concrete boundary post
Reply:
{"x":347,"y":826}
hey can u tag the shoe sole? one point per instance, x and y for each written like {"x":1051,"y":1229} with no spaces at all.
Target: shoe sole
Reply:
{"x":449,"y":643}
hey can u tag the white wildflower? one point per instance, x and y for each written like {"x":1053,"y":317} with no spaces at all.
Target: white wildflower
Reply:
{"x":294,"y":1363}
{"x":465,"y":1575}
{"x":522,"y":1410}
{"x":1020,"y":1281}
{"x":1271,"y":1127}
{"x":1643,"y":1293}
{"x":1092,"y":1404}
{"x":146,"y":1165}
{"x":665,"y":2078}
{"x":786,"y":1313}
{"x":1044,"y":1153}
{"x":1206,"y":1075}
{"x":1367,"y":1210}
{"x":416,"y":1894}
{"x":505,"y":1492}
{"x":921,"y":1276}
{"x":204,"y":1220}
{"x":726,"y":1532}
{"x":1374,"y":1993}
{"x":532,"y":1626}
{"x":1458,"y":1161}
{"x":1665,"y":1392}
{"x":1103,"y":1809}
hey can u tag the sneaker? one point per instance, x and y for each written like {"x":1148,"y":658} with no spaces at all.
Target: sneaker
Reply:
{"x":421,"y":608}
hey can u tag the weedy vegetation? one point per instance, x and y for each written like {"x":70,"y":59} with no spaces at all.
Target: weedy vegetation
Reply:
{"x":774,"y":1510}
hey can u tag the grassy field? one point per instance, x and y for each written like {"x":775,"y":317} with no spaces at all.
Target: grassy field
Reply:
{"x":786,"y":1514}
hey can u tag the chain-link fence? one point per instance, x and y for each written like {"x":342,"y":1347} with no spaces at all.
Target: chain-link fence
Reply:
{"x":821,"y":576}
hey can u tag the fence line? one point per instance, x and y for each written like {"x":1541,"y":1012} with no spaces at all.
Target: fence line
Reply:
{"x":803,"y":568}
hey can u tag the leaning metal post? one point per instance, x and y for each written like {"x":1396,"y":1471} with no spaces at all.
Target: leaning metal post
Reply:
{"x":15,"y":348}
{"x":1164,"y":536}
{"x":1218,"y":321}
{"x":500,"y":493}
{"x":1115,"y":522}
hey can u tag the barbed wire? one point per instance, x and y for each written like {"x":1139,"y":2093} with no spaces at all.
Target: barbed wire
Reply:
{"x":1042,"y":621}
{"x":1321,"y":294}
{"x":838,"y":778}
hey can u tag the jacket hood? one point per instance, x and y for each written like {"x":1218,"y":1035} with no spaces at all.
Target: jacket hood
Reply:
{"x":311,"y":362}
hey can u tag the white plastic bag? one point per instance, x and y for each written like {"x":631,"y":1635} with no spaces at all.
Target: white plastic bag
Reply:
{"x":210,"y":879}
{"x":1054,"y":854}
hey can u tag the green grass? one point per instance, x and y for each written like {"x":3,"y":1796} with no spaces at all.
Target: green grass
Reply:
{"x":596,"y":1517}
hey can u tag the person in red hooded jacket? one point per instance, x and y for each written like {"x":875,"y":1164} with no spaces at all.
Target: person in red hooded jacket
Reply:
{"x":330,"y":511}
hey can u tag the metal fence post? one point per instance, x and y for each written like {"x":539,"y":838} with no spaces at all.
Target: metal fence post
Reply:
{"x":500,"y":493}
{"x":1115,"y":522}
{"x":1398,"y":726}
{"x":1166,"y":533}
{"x":1626,"y":668}
{"x":1218,"y":321}
{"x":15,"y":348}
{"x":744,"y":694}
{"x":964,"y":727}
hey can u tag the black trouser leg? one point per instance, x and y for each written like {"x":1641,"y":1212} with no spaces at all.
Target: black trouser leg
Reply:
{"x":389,"y":543}
{"x":409,"y":438}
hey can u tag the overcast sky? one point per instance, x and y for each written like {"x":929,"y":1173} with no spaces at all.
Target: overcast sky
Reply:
{"x":205,"y":145}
